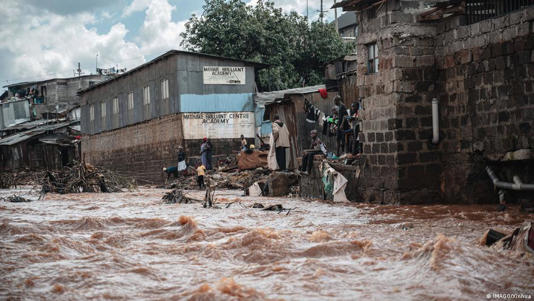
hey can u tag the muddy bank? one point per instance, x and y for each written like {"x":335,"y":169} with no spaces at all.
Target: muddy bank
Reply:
{"x":132,"y":245}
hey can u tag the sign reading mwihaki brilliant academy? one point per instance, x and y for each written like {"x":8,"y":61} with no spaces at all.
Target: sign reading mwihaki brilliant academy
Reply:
{"x":216,"y":75}
{"x":218,"y":125}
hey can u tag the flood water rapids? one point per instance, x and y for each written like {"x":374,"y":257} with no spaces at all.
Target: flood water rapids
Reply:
{"x":131,"y":245}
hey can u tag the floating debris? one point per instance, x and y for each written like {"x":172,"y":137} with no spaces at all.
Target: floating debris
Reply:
{"x":84,"y":177}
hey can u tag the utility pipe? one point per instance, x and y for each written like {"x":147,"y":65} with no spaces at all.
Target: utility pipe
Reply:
{"x":517,"y":185}
{"x":435,"y":121}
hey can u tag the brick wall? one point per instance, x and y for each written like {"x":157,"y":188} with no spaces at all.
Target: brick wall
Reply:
{"x":139,"y":151}
{"x":483,"y":75}
{"x":395,"y":100}
{"x":487,"y":101}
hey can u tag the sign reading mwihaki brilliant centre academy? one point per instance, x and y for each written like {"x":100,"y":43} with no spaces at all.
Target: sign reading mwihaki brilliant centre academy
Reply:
{"x":218,"y":125}
{"x":217,"y":75}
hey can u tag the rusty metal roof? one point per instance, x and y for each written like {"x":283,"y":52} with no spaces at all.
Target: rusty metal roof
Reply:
{"x":23,"y":136}
{"x":265,"y":98}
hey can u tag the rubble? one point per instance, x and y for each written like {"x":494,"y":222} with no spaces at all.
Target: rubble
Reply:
{"x":13,"y":179}
{"x":83,"y":177}
{"x":176,"y":196}
{"x":15,"y":199}
{"x":280,"y":183}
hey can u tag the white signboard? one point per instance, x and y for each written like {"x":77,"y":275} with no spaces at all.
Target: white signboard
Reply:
{"x":214,"y":75}
{"x":226,"y":125}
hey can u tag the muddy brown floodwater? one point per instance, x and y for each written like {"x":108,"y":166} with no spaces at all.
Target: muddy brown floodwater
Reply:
{"x":132,"y":246}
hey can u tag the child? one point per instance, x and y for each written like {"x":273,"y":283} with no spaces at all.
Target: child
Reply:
{"x":201,"y":172}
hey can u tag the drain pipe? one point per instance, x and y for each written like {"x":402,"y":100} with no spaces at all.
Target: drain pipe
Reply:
{"x":435,"y":121}
{"x":517,"y":185}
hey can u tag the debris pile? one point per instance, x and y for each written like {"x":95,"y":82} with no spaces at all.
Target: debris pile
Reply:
{"x":83,"y":178}
{"x":15,"y":199}
{"x":239,"y":180}
{"x":12,"y":179}
{"x":7,"y":180}
{"x":176,"y":196}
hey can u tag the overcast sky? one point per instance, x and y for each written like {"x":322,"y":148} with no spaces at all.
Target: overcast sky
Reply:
{"x":42,"y":39}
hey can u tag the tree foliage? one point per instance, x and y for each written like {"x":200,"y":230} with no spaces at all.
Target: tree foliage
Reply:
{"x":296,"y":51}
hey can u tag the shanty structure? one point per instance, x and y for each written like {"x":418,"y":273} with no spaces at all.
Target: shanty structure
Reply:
{"x":348,"y":26}
{"x":134,"y":122}
{"x":13,"y":113}
{"x":289,"y":105}
{"x":52,"y":97}
{"x":37,"y":145}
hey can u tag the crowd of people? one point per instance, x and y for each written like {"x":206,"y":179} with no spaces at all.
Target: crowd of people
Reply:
{"x":343,"y":123}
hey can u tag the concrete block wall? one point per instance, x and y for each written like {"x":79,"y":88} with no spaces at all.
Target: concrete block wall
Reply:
{"x":139,"y":151}
{"x":482,"y":75}
{"x":396,"y":102}
{"x":487,"y":101}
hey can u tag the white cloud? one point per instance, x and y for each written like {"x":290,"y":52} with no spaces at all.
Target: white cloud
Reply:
{"x":38,"y":43}
{"x":158,"y":32}
{"x":44,"y":44}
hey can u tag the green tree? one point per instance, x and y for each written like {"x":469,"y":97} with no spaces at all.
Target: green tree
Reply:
{"x":296,"y":51}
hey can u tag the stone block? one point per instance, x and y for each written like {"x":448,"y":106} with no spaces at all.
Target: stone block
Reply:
{"x":516,"y":17}
{"x":414,"y":146}
{"x":375,"y":148}
{"x":371,"y":137}
{"x":425,"y":60}
{"x":509,"y":33}
{"x":425,"y":121}
{"x":425,"y":134}
{"x":485,"y":26}
{"x":406,"y":158}
{"x":402,"y":135}
{"x":474,"y":29}
{"x":463,"y":56}
{"x":411,"y":122}
{"x":280,"y":182}
{"x":429,"y":156}
{"x":394,"y":123}
{"x":403,"y":61}
{"x":423,"y":110}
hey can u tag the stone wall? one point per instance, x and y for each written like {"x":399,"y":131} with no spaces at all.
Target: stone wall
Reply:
{"x":483,"y":76}
{"x":487,"y":101}
{"x":139,"y":151}
{"x":392,"y":136}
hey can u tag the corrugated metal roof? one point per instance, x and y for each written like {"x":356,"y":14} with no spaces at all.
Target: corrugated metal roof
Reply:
{"x":49,"y":80}
{"x":262,"y":99}
{"x":26,"y":125}
{"x":23,"y":136}
{"x":165,"y":55}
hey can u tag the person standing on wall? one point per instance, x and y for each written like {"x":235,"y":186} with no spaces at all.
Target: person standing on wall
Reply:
{"x":355,"y":121}
{"x":206,"y":153}
{"x":279,"y":143}
{"x":341,"y":124}
{"x":316,"y":147}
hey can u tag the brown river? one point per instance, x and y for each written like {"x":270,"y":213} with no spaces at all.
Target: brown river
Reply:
{"x":133,"y":246}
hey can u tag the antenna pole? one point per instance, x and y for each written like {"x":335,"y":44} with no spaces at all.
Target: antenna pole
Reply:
{"x":307,"y":10}
{"x":335,"y":17}
{"x":321,"y":14}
